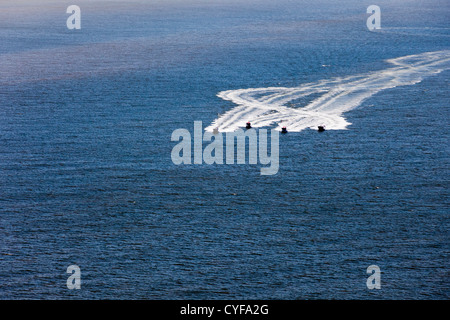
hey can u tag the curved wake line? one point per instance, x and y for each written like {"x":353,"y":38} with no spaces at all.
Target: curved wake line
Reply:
{"x":276,"y":106}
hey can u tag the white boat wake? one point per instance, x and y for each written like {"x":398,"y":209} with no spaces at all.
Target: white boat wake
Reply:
{"x":324,"y":102}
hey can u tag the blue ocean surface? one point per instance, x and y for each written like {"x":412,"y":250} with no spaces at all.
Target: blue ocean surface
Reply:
{"x":87,"y":179}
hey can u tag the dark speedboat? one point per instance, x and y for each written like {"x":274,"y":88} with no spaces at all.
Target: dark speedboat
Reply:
{"x":321,"y":128}
{"x":283,"y":130}
{"x":248,"y":126}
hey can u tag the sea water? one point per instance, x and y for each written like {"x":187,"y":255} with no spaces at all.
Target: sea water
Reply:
{"x":86,"y":176}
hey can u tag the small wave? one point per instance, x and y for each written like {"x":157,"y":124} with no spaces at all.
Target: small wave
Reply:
{"x":276,"y":106}
{"x":416,"y":31}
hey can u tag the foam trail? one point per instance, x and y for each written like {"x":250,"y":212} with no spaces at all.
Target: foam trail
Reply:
{"x":277,"y":106}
